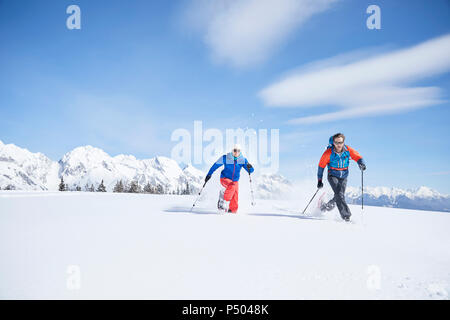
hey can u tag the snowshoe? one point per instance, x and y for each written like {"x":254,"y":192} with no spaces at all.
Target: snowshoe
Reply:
{"x":220,"y":202}
{"x":327,"y":206}
{"x":226,"y":205}
{"x":222,"y":205}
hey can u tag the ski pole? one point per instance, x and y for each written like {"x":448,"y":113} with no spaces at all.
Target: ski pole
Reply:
{"x":251,"y":189}
{"x":362,"y":196}
{"x":362,"y":190}
{"x":197,"y":197}
{"x":310,"y":201}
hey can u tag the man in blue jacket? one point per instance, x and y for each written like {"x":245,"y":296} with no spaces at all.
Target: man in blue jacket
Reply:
{"x":233,"y":162}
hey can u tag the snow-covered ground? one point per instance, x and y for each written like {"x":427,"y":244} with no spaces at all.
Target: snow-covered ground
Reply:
{"x":72,"y":245}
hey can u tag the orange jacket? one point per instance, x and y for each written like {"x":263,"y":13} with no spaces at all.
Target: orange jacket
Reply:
{"x":338,"y":163}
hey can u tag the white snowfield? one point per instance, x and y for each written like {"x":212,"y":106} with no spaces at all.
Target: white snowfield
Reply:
{"x":73,"y":245}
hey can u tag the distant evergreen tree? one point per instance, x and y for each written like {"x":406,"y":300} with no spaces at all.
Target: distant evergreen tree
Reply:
{"x":159,"y":189}
{"x":134,"y":187}
{"x":67,"y":187}
{"x":101,"y":187}
{"x":188,"y":190}
{"x":92,"y":188}
{"x":77,"y":188}
{"x":62,"y":185}
{"x":148,"y":188}
{"x":87,"y":188}
{"x":118,"y":187}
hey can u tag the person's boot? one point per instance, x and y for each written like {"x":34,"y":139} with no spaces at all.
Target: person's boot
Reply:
{"x":346,"y":219}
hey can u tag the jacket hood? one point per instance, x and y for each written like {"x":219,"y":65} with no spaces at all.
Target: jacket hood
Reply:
{"x":330,"y":143}
{"x":230,"y":157}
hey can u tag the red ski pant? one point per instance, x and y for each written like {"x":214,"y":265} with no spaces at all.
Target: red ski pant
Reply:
{"x":231,"y":193}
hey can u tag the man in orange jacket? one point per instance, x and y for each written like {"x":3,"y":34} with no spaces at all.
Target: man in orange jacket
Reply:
{"x":337,"y":157}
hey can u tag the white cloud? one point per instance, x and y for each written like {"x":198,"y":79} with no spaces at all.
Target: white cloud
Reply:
{"x":246,"y":32}
{"x":379,"y":84}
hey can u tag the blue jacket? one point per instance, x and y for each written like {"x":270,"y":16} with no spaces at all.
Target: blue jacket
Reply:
{"x":337,"y":163}
{"x":232,"y":167}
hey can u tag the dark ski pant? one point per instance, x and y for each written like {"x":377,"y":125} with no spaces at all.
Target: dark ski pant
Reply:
{"x":338,"y":185}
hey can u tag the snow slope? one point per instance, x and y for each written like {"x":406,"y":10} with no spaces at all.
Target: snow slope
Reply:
{"x":151,"y":246}
{"x":272,"y":186}
{"x":22,"y":169}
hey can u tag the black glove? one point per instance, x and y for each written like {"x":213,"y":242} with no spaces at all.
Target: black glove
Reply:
{"x":207,"y":178}
{"x":320,"y":184}
{"x":249,"y":166}
{"x":362,"y":166}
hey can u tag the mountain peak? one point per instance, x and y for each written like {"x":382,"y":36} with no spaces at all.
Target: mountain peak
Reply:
{"x":125,"y":157}
{"x":25,"y":170}
{"x":85,"y":153}
{"x":86,"y":148}
{"x":425,"y":192}
{"x":193,"y":171}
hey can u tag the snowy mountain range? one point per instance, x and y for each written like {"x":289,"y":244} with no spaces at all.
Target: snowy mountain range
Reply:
{"x":88,"y":165}
{"x":24,"y":170}
{"x":84,"y":166}
{"x":422,"y":198}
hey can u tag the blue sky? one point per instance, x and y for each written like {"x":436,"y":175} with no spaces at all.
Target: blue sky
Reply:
{"x":138,"y":70}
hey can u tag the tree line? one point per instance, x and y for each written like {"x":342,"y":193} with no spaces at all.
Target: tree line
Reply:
{"x":131,"y":187}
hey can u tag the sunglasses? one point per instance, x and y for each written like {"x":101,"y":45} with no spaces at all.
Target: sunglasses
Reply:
{"x":335,"y":142}
{"x":236,"y":150}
